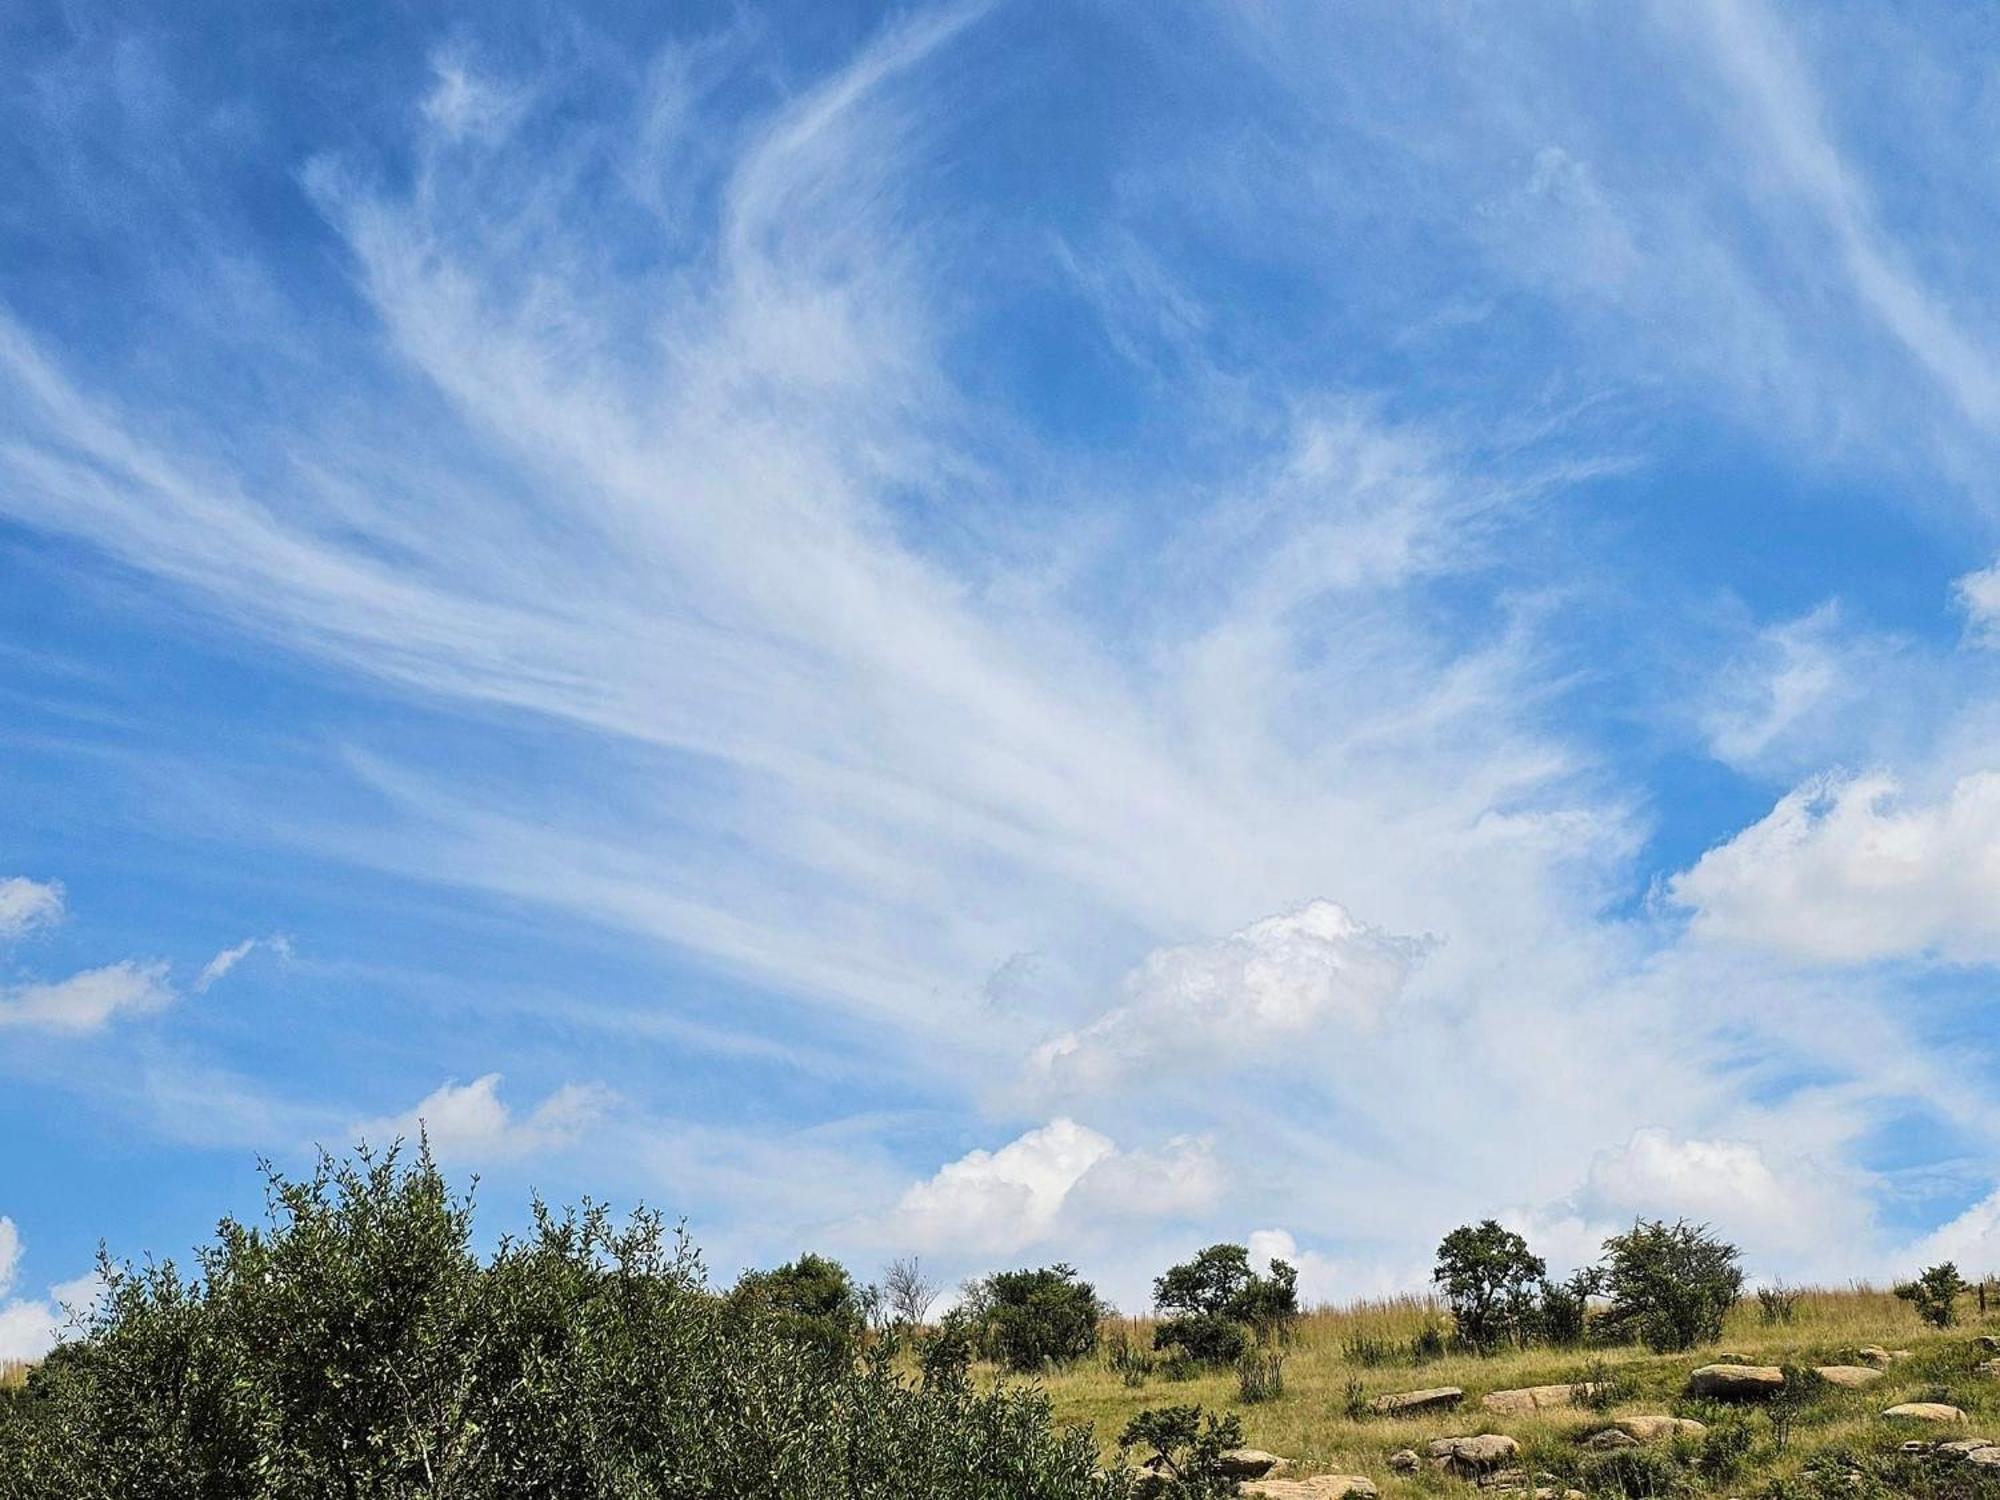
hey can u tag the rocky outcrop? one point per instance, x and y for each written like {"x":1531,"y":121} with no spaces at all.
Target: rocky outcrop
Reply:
{"x":1409,"y":1403}
{"x":1319,"y":1487}
{"x":1533,"y":1398}
{"x":1925,"y":1411}
{"x":1849,"y":1377}
{"x":1468,"y":1457}
{"x":1736,"y":1382}
{"x":1251,"y":1463}
{"x":1654,"y":1429}
{"x":1609,"y":1440}
{"x":1405,"y":1461}
{"x":1875,"y":1354}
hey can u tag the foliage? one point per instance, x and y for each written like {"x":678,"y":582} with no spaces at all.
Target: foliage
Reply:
{"x":1179,"y":1442}
{"x":1260,"y":1377}
{"x":1029,"y":1320}
{"x":1563,"y":1317}
{"x":907,"y":1292}
{"x":1489,"y":1277}
{"x":1132,"y":1365}
{"x":1777,"y":1304}
{"x":1427,"y":1344}
{"x":811,"y":1299}
{"x":1724,"y":1448}
{"x":1935,"y":1294}
{"x":354,"y":1345}
{"x":1670,"y":1285}
{"x":1204,"y":1338}
{"x":1803,"y":1388}
{"x":1220,"y":1302}
{"x":1641,"y":1473}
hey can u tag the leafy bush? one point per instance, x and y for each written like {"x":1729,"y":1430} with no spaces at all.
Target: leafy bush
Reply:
{"x":1367,"y":1351}
{"x":1489,"y":1278}
{"x":355,"y":1345}
{"x":1803,"y":1388}
{"x":1935,"y":1294}
{"x":1563,"y":1316}
{"x":812,"y":1300}
{"x":1427,"y":1344}
{"x":1724,"y":1449}
{"x":1204,"y":1338}
{"x":1641,"y":1473}
{"x":1186,"y":1447}
{"x":1029,"y":1320}
{"x":1130,"y":1365}
{"x":1219,"y":1302}
{"x":1670,"y":1285}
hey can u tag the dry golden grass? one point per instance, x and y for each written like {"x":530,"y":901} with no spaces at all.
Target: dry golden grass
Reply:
{"x":1311,"y":1424}
{"x":12,"y":1373}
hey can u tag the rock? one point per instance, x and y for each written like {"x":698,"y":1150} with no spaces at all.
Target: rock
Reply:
{"x":1653,"y":1429}
{"x":1405,"y":1403}
{"x":1610,"y":1438}
{"x":1319,"y":1487}
{"x":1989,"y":1343}
{"x":1848,"y":1377}
{"x":1987,"y":1457}
{"x":1925,"y":1411}
{"x":1875,"y":1354}
{"x":1405,"y":1461}
{"x":1533,"y":1398}
{"x":1468,"y":1456}
{"x":1251,"y":1463}
{"x":1736,"y":1382}
{"x":1960,"y":1447}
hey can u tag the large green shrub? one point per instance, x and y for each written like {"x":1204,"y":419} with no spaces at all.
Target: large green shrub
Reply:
{"x":1489,"y":1278}
{"x":1217,"y":1302}
{"x":355,"y":1346}
{"x":811,"y":1299}
{"x":1028,"y":1320}
{"x":1935,"y":1294}
{"x":1670,"y":1285}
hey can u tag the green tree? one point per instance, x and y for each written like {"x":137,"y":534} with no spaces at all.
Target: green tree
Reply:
{"x":1670,"y":1285}
{"x":1185,"y":1449}
{"x":1489,"y":1278}
{"x":1031,"y":1319}
{"x":1935,"y":1294}
{"x":811,"y":1299}
{"x":354,"y":1345}
{"x":1218,"y":1302}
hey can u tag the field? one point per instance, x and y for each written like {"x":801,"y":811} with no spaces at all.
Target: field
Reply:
{"x":1336,"y":1355}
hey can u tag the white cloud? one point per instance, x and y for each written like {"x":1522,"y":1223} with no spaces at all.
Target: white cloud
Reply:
{"x":470,"y":1122}
{"x":1978,"y":594}
{"x":1845,"y":869}
{"x":1320,"y":1278}
{"x":1793,"y":674}
{"x":1277,"y":979}
{"x":1728,"y":1184}
{"x":87,"y":1001}
{"x":30,"y":1327}
{"x":220,"y":965}
{"x":1059,"y":1177}
{"x":26,"y":905}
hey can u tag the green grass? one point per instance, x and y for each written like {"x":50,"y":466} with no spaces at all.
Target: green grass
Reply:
{"x":1310,"y":1424}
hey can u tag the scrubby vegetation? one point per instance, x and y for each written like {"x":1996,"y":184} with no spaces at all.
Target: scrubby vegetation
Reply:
{"x":355,"y":1345}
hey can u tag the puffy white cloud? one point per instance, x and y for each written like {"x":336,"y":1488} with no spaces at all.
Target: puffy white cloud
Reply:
{"x":26,"y":905}
{"x":1978,"y":595}
{"x":1279,"y":977}
{"x":1843,"y":869}
{"x":87,"y":1001}
{"x":1060,"y":1176}
{"x":30,"y":1326}
{"x":1319,"y":1275}
{"x":471,"y":1122}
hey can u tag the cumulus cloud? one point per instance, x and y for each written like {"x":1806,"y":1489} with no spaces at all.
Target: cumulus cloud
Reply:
{"x":1279,"y":977}
{"x":470,"y":1122}
{"x":31,"y":1326}
{"x":1845,"y":869}
{"x":1059,"y":1175}
{"x":26,"y":905}
{"x":88,"y":1001}
{"x":1727,"y":1183}
{"x":1319,"y":1275}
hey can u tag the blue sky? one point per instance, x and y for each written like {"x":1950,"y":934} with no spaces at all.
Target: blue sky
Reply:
{"x":1005,"y":632}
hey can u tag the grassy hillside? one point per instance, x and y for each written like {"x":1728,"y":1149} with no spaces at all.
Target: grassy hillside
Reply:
{"x":1334,"y":1358}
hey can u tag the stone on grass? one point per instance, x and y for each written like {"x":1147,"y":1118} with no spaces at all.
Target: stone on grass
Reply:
{"x":1990,"y":1343}
{"x":1652,"y":1429}
{"x":1736,"y":1382}
{"x":1610,"y":1438}
{"x":1405,"y":1461}
{"x":1925,"y":1411}
{"x":1848,"y":1377}
{"x":1404,"y":1403}
{"x":1960,"y":1447}
{"x":1468,"y":1456}
{"x":1251,"y":1463}
{"x":1875,"y":1354}
{"x":1987,"y":1457}
{"x":1533,"y":1398}
{"x":1319,"y":1487}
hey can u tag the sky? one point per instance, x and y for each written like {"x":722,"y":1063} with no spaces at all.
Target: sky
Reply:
{"x":1005,"y":632}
